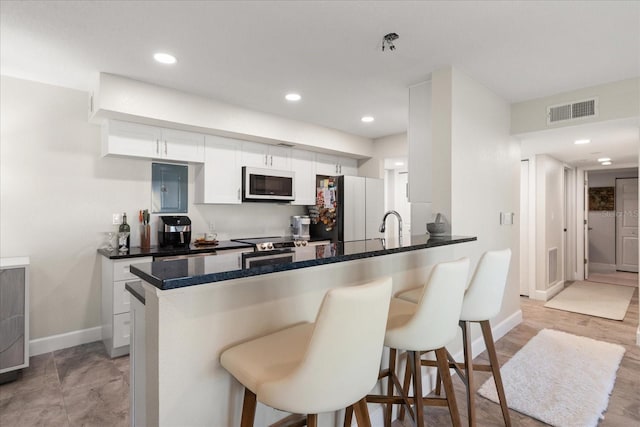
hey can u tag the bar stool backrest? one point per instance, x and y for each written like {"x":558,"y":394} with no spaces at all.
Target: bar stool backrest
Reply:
{"x":484,"y":296}
{"x":435,"y":322}
{"x":342,"y":359}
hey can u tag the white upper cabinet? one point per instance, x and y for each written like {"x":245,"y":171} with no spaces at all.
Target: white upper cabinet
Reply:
{"x":183,"y":146}
{"x":266,"y":156}
{"x":327,"y":164}
{"x":305,"y":178}
{"x":219,"y":180}
{"x":136,"y":140}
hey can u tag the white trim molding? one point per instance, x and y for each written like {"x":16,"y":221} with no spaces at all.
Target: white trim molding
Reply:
{"x":60,"y":341}
{"x":548,"y":293}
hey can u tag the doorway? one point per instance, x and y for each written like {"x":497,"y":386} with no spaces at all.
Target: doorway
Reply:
{"x":627,"y":224}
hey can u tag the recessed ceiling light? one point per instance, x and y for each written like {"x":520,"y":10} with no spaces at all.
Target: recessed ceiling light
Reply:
{"x":604,"y":159}
{"x":605,"y":163}
{"x":582,"y":141}
{"x":292,"y":97}
{"x":367,"y":119}
{"x":399,"y":163}
{"x":164,"y":58}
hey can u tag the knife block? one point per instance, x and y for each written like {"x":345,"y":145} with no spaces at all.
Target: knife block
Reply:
{"x":145,"y":237}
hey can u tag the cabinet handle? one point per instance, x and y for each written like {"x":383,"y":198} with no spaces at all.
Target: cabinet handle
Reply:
{"x":271,"y":161}
{"x":336,"y":168}
{"x":340,"y":168}
{"x":165,"y":147}
{"x":157,"y":146}
{"x":266,"y":156}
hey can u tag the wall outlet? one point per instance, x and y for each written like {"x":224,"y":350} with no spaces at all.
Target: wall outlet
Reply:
{"x":116,"y":219}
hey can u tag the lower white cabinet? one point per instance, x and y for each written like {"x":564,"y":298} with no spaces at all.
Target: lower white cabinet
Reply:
{"x":14,"y":315}
{"x":116,"y":303}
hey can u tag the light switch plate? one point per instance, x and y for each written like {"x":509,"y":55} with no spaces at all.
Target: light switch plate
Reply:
{"x":506,"y":218}
{"x":116,"y":219}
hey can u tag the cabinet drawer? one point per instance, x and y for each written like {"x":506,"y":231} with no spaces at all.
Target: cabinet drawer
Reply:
{"x":121,"y":301}
{"x":121,"y":329}
{"x":121,"y":267}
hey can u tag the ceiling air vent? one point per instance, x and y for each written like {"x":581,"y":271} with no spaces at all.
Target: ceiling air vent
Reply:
{"x":572,"y":111}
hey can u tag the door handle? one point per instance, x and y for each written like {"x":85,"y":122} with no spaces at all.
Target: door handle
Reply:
{"x":590,"y":228}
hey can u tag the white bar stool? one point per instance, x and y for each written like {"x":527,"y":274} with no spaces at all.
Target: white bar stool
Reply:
{"x":317,"y":367}
{"x":482,"y":301}
{"x":427,"y":326}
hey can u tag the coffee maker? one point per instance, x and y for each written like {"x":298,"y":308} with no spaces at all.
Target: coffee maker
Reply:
{"x":300,"y":227}
{"x":174,"y":232}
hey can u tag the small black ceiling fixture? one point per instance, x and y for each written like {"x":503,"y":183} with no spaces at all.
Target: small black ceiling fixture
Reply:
{"x":387,"y":41}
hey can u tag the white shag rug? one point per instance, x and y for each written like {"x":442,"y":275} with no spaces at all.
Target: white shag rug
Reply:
{"x":594,"y":299}
{"x":558,"y":378}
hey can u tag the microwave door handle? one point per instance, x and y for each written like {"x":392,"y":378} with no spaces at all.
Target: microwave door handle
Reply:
{"x":181,"y":237}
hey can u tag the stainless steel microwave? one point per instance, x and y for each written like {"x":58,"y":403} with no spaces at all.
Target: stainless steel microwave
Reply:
{"x":263,"y":185}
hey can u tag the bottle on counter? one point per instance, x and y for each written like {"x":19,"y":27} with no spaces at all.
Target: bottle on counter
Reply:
{"x":125,"y":228}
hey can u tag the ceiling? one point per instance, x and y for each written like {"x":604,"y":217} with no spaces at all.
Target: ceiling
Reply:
{"x":252,"y":53}
{"x":617,"y":140}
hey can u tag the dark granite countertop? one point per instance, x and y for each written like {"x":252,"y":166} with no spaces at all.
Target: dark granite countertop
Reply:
{"x":156,"y":251}
{"x":136,"y":290}
{"x":196,"y":271}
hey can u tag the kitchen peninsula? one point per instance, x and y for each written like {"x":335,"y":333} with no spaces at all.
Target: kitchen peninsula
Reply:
{"x":195,"y":308}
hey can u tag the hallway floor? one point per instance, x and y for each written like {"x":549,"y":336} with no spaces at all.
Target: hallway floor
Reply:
{"x":617,"y":278}
{"x":81,"y":386}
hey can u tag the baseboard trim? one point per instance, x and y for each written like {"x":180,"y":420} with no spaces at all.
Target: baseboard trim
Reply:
{"x":549,"y":293}
{"x":66,"y":340}
{"x":499,"y":330}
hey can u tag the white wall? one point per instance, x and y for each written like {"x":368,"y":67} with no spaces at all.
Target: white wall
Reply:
{"x":485,"y":169}
{"x":617,"y":100}
{"x":57,"y":196}
{"x":549,"y":204}
{"x":602,"y":236}
{"x":383,"y":148}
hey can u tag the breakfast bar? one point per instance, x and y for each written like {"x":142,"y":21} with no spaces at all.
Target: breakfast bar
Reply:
{"x":195,"y":308}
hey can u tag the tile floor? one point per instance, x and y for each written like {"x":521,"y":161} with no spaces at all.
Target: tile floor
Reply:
{"x":81,"y":386}
{"x":77,"y":386}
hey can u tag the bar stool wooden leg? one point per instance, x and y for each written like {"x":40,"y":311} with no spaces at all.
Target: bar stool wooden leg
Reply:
{"x":248,"y":408}
{"x":443,"y":367}
{"x":392,"y":369}
{"x":312,"y":420}
{"x":495,"y":368}
{"x":362,"y":413}
{"x":416,"y":371}
{"x":468,"y":366}
{"x":348,"y":416}
{"x":405,"y":386}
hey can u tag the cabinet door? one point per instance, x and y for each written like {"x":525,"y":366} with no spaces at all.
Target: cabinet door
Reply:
{"x":348,"y":166}
{"x":131,"y":139}
{"x":279,"y":158}
{"x":305,"y":178}
{"x":220,"y":178}
{"x":12,"y":319}
{"x":182,"y":146}
{"x":326,"y":165}
{"x":255,"y":155}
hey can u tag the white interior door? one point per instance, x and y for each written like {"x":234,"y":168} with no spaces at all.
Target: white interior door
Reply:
{"x":524,"y":227}
{"x":586,"y":226}
{"x":627,"y":224}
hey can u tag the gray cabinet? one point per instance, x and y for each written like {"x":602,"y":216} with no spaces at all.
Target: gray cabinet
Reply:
{"x":14,"y":314}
